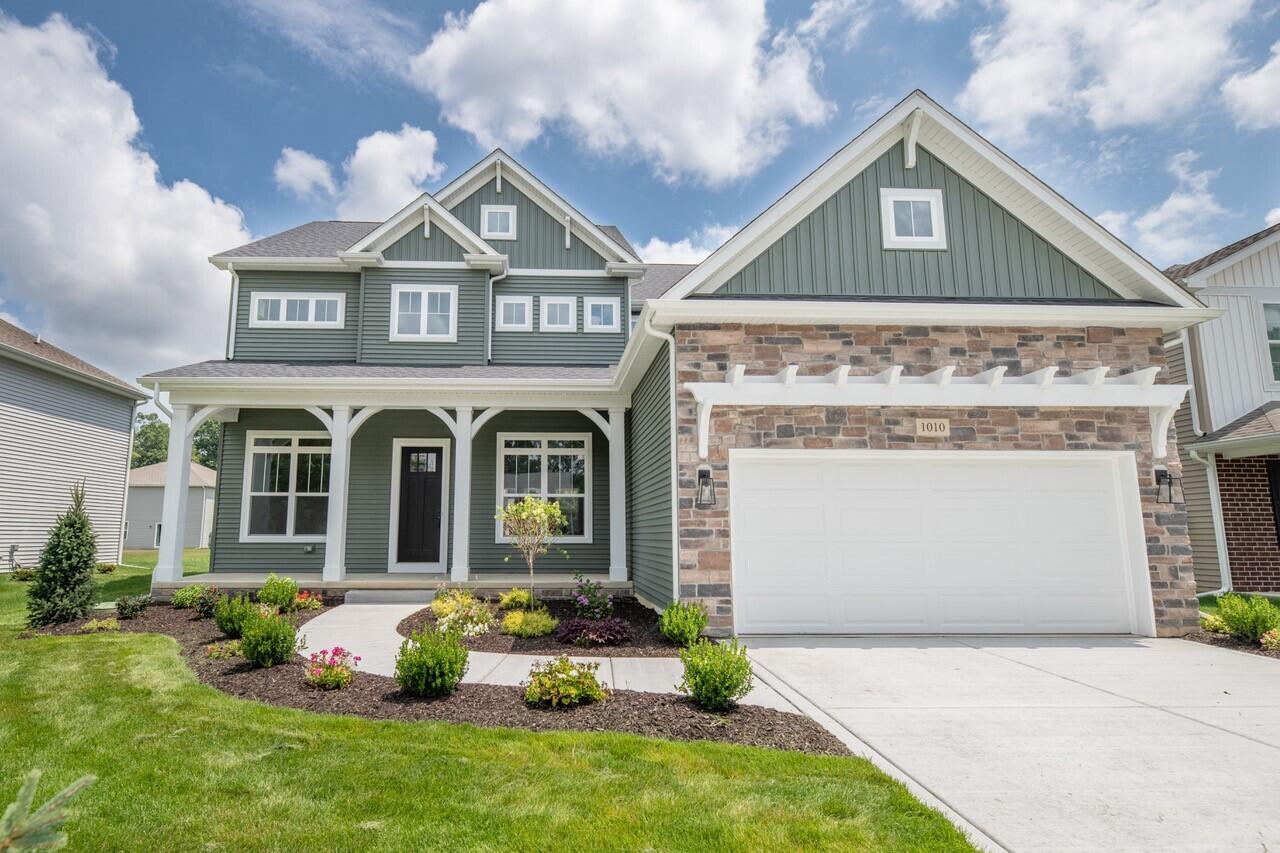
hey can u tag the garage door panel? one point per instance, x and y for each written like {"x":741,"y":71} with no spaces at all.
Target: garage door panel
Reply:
{"x":980,"y":613}
{"x":880,"y":477}
{"x":804,"y":518}
{"x":1076,"y":612}
{"x":871,"y":613}
{"x":892,"y":565}
{"x":790,"y":612}
{"x":774,"y":565}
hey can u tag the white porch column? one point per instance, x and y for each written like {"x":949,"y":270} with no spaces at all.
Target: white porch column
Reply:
{"x":460,"y":570}
{"x":335,"y":534}
{"x":617,"y":495}
{"x":174,"y":511}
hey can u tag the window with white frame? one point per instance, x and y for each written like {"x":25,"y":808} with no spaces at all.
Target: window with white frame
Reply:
{"x":551,"y":467}
{"x":297,"y":310}
{"x":498,"y":221}
{"x":286,"y":486}
{"x":424,"y":312}
{"x":602,"y":314}
{"x":513,"y":314}
{"x":1271,"y":317}
{"x":912,"y":219}
{"x":558,"y":313}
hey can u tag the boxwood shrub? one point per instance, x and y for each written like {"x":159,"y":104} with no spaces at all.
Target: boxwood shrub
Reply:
{"x":233,"y":615}
{"x":716,"y":675}
{"x":268,"y":640}
{"x":278,"y":592}
{"x":187,"y":596}
{"x":1248,"y":617}
{"x":683,"y":623}
{"x":431,"y":663}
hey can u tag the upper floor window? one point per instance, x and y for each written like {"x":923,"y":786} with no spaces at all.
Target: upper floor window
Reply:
{"x":286,"y":486}
{"x":424,"y":312}
{"x":602,"y":313}
{"x":558,"y":313}
{"x":912,"y":219}
{"x":513,"y":314}
{"x":297,"y":310}
{"x":1271,"y":315}
{"x":498,"y":221}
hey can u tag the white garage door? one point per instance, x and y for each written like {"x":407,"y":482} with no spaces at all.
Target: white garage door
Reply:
{"x":853,"y":542}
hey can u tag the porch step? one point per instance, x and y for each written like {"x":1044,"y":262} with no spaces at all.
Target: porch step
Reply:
{"x":389,"y":596}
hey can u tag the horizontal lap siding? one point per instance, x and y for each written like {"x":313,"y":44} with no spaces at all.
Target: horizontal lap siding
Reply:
{"x":280,"y":344}
{"x":578,"y":347}
{"x":376,"y":346}
{"x":1195,"y":485}
{"x":539,"y":242}
{"x":649,"y":532}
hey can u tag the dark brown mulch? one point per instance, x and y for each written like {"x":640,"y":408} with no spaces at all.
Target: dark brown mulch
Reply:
{"x":646,"y":640}
{"x":378,"y":697}
{"x":1226,"y":641}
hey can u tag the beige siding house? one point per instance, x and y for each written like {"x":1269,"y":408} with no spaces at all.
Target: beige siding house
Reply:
{"x":146,"y":501}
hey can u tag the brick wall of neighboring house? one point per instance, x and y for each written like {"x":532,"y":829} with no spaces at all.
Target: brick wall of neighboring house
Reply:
{"x":704,"y":353}
{"x":1249,"y":523}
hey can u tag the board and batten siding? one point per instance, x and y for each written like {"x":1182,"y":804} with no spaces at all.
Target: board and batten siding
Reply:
{"x":1195,"y":484}
{"x":415,"y":246}
{"x":284,"y":344}
{"x":376,"y":346}
{"x":577,"y":347}
{"x":649,"y":533}
{"x":56,"y":432}
{"x":838,"y":249}
{"x":539,"y":242}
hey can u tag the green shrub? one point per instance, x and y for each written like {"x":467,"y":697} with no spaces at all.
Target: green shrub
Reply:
{"x":187,"y":596}
{"x":233,"y":615}
{"x":106,"y":568}
{"x":1271,"y":640}
{"x":1213,"y":623}
{"x":683,"y":623}
{"x":206,"y":602}
{"x":269,"y":640}
{"x":561,"y":683}
{"x":431,"y":663}
{"x":529,"y":623}
{"x":516,"y":599}
{"x":131,"y":606}
{"x":448,"y":600}
{"x":1248,"y":617}
{"x":716,"y":676}
{"x":62,"y":589}
{"x":22,"y":574}
{"x":99,"y":626}
{"x":278,"y":592}
{"x":224,"y":650}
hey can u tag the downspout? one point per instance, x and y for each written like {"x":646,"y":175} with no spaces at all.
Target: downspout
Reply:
{"x":646,"y":327}
{"x":232,"y":311}
{"x":1219,"y":532}
{"x":488,"y":311}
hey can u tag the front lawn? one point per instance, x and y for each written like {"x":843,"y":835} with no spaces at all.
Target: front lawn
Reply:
{"x":182,"y":766}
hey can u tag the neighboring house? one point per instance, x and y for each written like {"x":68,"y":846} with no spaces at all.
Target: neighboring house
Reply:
{"x":62,"y":421}
{"x":920,"y":393}
{"x":146,"y":502}
{"x":1230,"y":424}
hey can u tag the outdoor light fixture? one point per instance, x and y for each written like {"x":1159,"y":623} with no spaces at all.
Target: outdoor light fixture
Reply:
{"x":706,"y":494}
{"x":1165,"y":485}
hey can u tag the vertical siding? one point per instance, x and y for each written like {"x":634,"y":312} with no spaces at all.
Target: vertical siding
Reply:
{"x":376,"y":346}
{"x":1261,"y":269}
{"x":1195,"y":484}
{"x":579,"y":347}
{"x":55,"y":432}
{"x":415,"y":247}
{"x":838,"y":248}
{"x":280,"y":344}
{"x":1237,"y":365}
{"x":649,"y":538}
{"x":539,"y":242}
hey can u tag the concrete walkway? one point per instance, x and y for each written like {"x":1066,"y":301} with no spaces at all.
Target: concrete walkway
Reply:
{"x":369,"y":630}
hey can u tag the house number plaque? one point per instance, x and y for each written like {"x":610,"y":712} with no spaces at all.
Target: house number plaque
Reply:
{"x":933,"y":427}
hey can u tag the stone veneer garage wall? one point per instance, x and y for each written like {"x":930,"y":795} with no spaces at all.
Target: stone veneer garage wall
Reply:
{"x":704,"y":353}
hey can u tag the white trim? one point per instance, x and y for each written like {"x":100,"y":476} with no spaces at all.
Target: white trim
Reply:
{"x":393,"y":542}
{"x":1200,"y":278}
{"x":234,"y":313}
{"x":408,"y":218}
{"x":425,"y":290}
{"x":888,"y":222}
{"x":545,"y":301}
{"x":427,"y":265}
{"x":499,"y":325}
{"x":647,"y":330}
{"x":1219,"y":526}
{"x":285,"y":296}
{"x":524,"y":272}
{"x":488,"y":234}
{"x":588,"y":302}
{"x":1269,"y":380}
{"x":587,"y":504}
{"x":247,"y":482}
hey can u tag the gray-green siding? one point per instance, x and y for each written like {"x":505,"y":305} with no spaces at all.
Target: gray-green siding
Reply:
{"x":413,"y":246}
{"x":649,"y":540}
{"x":838,"y":248}
{"x":376,"y":346}
{"x":282,"y":344}
{"x":539,"y":242}
{"x":577,"y":347}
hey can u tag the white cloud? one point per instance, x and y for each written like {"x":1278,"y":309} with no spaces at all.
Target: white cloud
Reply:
{"x":929,"y":10}
{"x":847,"y":17}
{"x":302,"y":174}
{"x":694,"y":87}
{"x":97,"y":253}
{"x":1254,"y":96}
{"x":346,"y":36}
{"x":688,"y":250}
{"x":1126,"y":62}
{"x":1272,"y":217}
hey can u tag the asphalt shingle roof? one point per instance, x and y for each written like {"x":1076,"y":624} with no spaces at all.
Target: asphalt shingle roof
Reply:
{"x":222,"y":369}
{"x":614,"y":233}
{"x":657,"y":280}
{"x":321,"y":239}
{"x":21,"y":340}
{"x":1264,"y":420}
{"x":1179,"y":272}
{"x":154,"y":475}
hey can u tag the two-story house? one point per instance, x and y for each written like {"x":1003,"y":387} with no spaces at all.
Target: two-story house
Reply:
{"x":1230,"y":424}
{"x":921,"y":392}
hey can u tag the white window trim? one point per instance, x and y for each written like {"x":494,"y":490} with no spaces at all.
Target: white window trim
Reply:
{"x":258,"y":295}
{"x":1268,"y":374}
{"x":424,"y":289}
{"x":588,"y":301}
{"x":544,"y":301}
{"x":544,"y":437}
{"x":888,"y":195}
{"x":485,"y":233}
{"x":393,"y":544}
{"x":526,"y":326}
{"x":247,"y":483}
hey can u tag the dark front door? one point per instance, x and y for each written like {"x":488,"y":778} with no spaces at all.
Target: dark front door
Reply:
{"x":421,"y":479}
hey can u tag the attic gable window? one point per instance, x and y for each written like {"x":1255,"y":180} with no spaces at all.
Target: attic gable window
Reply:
{"x":498,"y":221}
{"x":297,"y":310}
{"x":912,"y":219}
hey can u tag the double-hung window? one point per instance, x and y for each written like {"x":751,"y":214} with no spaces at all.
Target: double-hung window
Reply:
{"x":286,"y":486}
{"x":912,"y":218}
{"x":552,"y":467}
{"x":1271,"y":317}
{"x":498,"y":221}
{"x":424,"y":312}
{"x":297,"y":310}
{"x":513,"y":314}
{"x":558,"y":313}
{"x":602,"y":314}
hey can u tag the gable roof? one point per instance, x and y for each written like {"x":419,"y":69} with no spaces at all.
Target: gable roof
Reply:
{"x":615,"y":233}
{"x":656,"y":280}
{"x":320,"y":239}
{"x":154,"y":475}
{"x":919,"y":119}
{"x":411,"y":215}
{"x":1181,"y":272}
{"x":31,"y":349}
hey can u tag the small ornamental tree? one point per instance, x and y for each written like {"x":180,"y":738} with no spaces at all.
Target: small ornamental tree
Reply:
{"x":531,"y":523}
{"x":63,"y":586}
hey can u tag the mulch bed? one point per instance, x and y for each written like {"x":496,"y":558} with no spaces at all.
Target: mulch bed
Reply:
{"x":378,"y":697}
{"x":1226,"y":641}
{"x":646,"y":640}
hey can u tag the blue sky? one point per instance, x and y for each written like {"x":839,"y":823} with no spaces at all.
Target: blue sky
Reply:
{"x":152,"y":134}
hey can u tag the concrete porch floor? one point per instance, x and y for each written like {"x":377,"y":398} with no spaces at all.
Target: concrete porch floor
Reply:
{"x":549,"y":584}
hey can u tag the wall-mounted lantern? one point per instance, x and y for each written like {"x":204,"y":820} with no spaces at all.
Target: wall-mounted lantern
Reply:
{"x":705,"y":497}
{"x":1168,"y":487}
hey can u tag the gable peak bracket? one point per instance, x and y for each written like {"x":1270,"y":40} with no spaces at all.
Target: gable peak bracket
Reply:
{"x":910,"y":136}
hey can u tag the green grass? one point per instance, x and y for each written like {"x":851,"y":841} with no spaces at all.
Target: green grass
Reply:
{"x":182,"y":766}
{"x":1209,"y":603}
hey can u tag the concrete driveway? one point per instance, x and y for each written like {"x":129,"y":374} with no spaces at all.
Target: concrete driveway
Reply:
{"x":1057,"y":743}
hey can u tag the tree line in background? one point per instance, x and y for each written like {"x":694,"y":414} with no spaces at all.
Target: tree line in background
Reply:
{"x":151,"y":442}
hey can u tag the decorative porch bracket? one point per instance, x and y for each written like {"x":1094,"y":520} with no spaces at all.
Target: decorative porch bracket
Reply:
{"x":342,"y":425}
{"x":614,"y":430}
